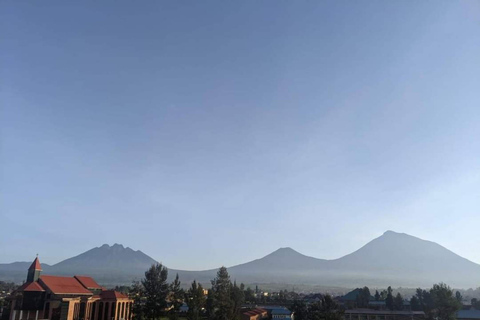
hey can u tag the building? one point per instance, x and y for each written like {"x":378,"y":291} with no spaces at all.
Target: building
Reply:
{"x":369,"y":314}
{"x":471,"y":314}
{"x":45,"y":297}
{"x":254,"y":314}
{"x":281,"y":313}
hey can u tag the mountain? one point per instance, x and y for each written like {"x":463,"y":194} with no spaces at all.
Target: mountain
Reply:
{"x":395,"y":259}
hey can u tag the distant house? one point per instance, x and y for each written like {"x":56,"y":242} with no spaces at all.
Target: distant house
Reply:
{"x":183,"y":308}
{"x":350,"y":299}
{"x":66,"y":298}
{"x":471,"y":314}
{"x":254,"y":314}
{"x":369,"y":314}
{"x":281,"y":313}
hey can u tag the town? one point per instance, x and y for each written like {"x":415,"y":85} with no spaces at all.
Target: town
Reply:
{"x":49,"y":297}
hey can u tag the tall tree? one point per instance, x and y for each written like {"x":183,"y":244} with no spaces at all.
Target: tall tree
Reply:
{"x":389,"y":298}
{"x":330,"y":308}
{"x":249,"y":295}
{"x":398,"y":302}
{"x":377,"y":295}
{"x":155,"y":288}
{"x":176,"y":298}
{"x":209,"y":305}
{"x":136,"y":293}
{"x":300,"y":310}
{"x":445,"y":302}
{"x":222,"y":302}
{"x":415,"y":304}
{"x":458,"y":296}
{"x":195,"y":301}
{"x":238,"y":298}
{"x":363,"y":297}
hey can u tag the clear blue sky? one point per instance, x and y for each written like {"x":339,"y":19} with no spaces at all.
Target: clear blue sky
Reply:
{"x":214,"y":132}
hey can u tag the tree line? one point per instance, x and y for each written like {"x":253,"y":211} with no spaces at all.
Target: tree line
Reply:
{"x":155,"y":298}
{"x":439,"y":302}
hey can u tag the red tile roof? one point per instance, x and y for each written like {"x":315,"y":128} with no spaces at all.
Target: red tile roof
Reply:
{"x":64,"y":285}
{"x":112,"y":294}
{"x":31,"y":286}
{"x":35,"y":265}
{"x":88,"y":282}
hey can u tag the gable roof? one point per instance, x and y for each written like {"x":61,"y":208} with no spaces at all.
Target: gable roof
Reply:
{"x":88,"y":282}
{"x":31,"y":287}
{"x":64,"y":285}
{"x":112,"y":294}
{"x":35,"y":265}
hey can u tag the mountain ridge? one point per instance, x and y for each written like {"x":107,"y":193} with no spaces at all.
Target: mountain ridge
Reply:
{"x":393,"y":258}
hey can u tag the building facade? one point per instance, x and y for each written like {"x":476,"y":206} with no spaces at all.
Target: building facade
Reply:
{"x":45,"y":297}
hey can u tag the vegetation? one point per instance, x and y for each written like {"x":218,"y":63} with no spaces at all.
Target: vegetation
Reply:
{"x":325,"y":309}
{"x":196,"y":301}
{"x":155,"y":299}
{"x":155,"y":290}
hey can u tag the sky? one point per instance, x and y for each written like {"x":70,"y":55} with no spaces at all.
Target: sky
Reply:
{"x":209,"y":133}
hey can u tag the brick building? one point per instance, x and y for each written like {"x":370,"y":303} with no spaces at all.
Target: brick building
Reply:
{"x":44,"y":297}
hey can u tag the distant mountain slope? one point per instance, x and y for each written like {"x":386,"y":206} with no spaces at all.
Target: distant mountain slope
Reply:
{"x":114,"y":258}
{"x":395,"y":259}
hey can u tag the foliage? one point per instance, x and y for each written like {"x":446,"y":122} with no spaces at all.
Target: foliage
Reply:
{"x":195,"y":299}
{"x":237,"y":297}
{"x":223,"y":306}
{"x":389,"y":299}
{"x":300,"y":310}
{"x":325,"y":309}
{"x":444,"y":301}
{"x":136,"y":293}
{"x":155,"y":289}
{"x":176,"y":297}
{"x":363,"y":297}
{"x":398,"y":302}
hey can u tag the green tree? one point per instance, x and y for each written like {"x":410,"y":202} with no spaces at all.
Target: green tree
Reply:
{"x":445,"y":303}
{"x":363,"y":297}
{"x":222,"y":302}
{"x":155,"y":289}
{"x":249,"y":295}
{"x":458,"y":296}
{"x":300,"y":310}
{"x":415,"y":304}
{"x":330,"y":308}
{"x":136,"y":293}
{"x":176,"y":298}
{"x":389,"y":298}
{"x":195,"y":301}
{"x":325,"y":309}
{"x":237,"y":298}
{"x":209,"y":305}
{"x":377,"y":295}
{"x":398,"y":302}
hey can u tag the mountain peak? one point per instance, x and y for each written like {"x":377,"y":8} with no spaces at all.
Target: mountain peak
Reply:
{"x":393,"y":233}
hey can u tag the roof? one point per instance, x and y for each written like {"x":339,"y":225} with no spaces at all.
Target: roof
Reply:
{"x":384,"y":312}
{"x":31,"y":287}
{"x":281,"y":311}
{"x":35,"y":265}
{"x":88,"y":282}
{"x":255,"y":312}
{"x":468,"y":314}
{"x":64,"y":285}
{"x":112,"y":294}
{"x":352,"y":295}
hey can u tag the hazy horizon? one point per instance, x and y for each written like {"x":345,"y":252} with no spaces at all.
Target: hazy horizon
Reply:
{"x":213,"y":133}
